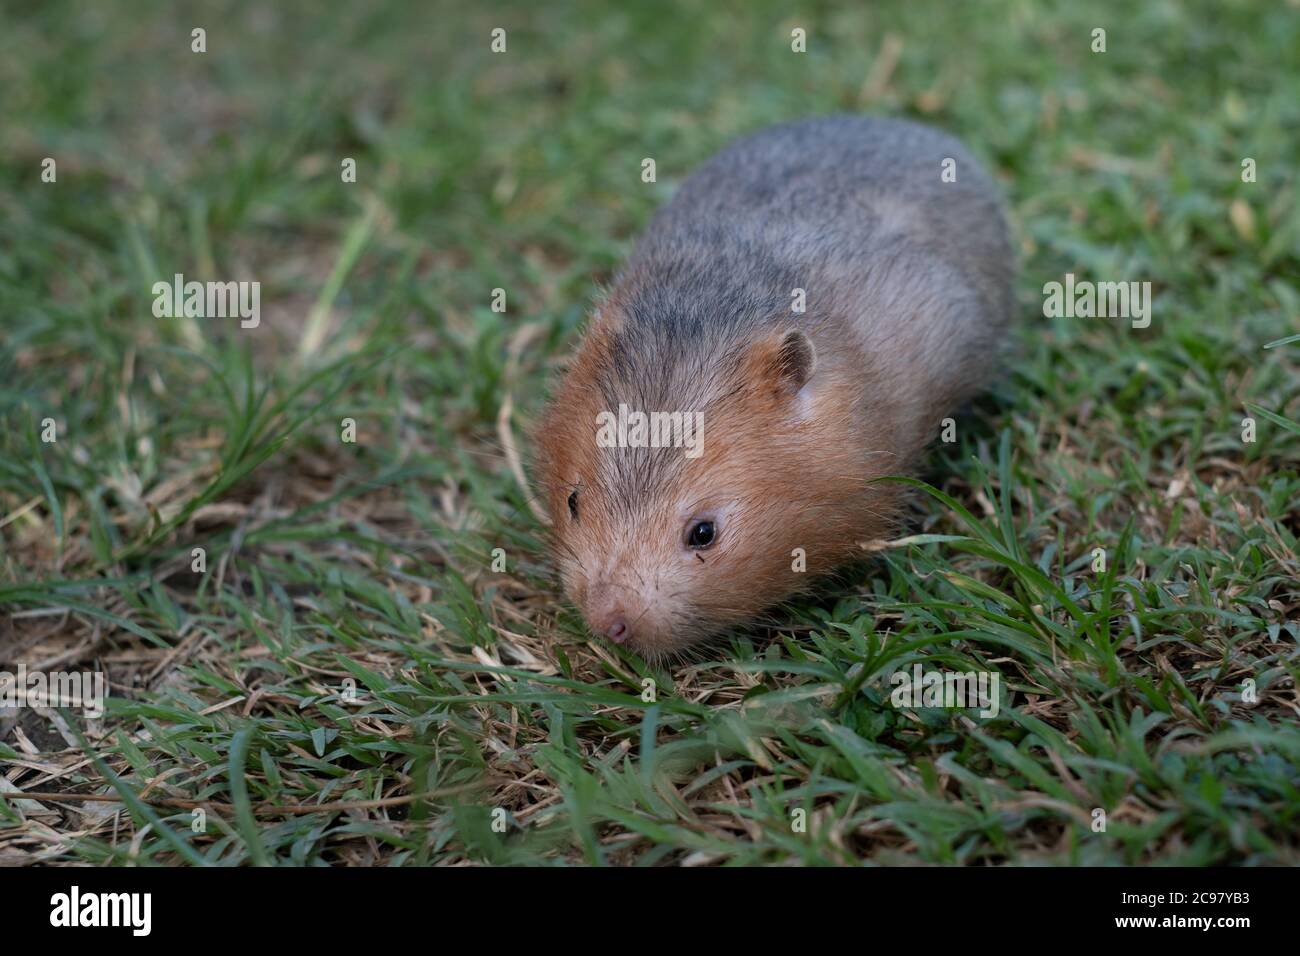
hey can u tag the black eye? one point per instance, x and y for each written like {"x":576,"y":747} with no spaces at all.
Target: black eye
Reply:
{"x":573,"y":504}
{"x":700,"y":535}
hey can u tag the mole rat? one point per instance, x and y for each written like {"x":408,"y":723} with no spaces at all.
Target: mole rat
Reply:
{"x":794,"y":324}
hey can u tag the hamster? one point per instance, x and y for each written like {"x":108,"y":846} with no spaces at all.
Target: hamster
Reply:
{"x":810,"y":304}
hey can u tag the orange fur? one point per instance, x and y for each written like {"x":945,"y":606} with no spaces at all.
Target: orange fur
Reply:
{"x":796,"y":483}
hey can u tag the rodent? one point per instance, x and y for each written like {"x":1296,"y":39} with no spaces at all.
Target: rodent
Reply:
{"x":908,"y":290}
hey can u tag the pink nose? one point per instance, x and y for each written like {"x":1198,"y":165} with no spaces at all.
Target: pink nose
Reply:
{"x":617,"y":630}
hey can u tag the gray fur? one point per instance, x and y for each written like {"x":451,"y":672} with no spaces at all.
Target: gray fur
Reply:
{"x":916,"y":271}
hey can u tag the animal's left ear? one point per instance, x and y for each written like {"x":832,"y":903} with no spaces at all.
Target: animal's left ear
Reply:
{"x":778,"y":366}
{"x":796,"y":359}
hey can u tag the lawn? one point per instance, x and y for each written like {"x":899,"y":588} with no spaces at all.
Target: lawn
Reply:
{"x":374,"y":663}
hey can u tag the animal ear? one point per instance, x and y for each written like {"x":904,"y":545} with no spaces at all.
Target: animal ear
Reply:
{"x":796,"y":359}
{"x":779,"y":365}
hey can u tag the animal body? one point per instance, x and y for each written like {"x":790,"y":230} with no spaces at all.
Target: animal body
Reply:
{"x":811,"y":303}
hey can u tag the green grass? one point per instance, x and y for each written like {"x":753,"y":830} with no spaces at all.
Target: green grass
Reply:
{"x":478,"y":695}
